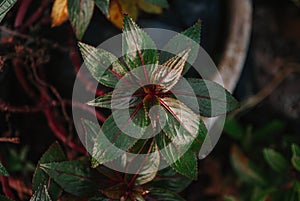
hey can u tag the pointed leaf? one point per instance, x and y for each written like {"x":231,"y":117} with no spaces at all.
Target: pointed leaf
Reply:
{"x":120,"y":96}
{"x":104,"y":66}
{"x":41,"y":194}
{"x":138,"y":48}
{"x":53,"y":154}
{"x":275,"y":160}
{"x":150,"y":166}
{"x":75,"y":177}
{"x":80,"y":13}
{"x":3,"y":171}
{"x":2,"y":198}
{"x":168,"y":74}
{"x":188,"y":39}
{"x":170,"y":180}
{"x":103,"y":5}
{"x":184,"y":163}
{"x":102,"y":101}
{"x":296,"y":156}
{"x":161,"y":3}
{"x":213,"y":99}
{"x":112,"y":142}
{"x":59,"y":13}
{"x":5,"y":6}
{"x":162,"y":195}
{"x":183,"y":123}
{"x":183,"y":134}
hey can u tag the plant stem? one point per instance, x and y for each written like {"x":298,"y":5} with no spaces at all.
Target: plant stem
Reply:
{"x":14,"y":140}
{"x":22,"y":12}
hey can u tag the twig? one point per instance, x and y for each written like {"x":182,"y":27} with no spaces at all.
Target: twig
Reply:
{"x":268,"y":89}
{"x":52,"y":44}
{"x":17,"y":65}
{"x":14,"y":140}
{"x":6,"y":107}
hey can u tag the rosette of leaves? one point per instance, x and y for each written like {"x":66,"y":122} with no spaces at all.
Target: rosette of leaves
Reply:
{"x":181,"y":135}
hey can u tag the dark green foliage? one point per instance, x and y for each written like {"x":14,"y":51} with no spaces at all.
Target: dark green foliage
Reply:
{"x":181,"y":137}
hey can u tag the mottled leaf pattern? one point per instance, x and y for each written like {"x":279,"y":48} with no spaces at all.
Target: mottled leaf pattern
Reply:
{"x":80,"y":12}
{"x":5,"y":6}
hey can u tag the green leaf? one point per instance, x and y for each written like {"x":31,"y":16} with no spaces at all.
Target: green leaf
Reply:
{"x":102,"y":101}
{"x":296,"y":156}
{"x":5,"y":6}
{"x":138,"y":48}
{"x":212,"y":98}
{"x":3,"y":171}
{"x":162,"y":195}
{"x":150,"y":166}
{"x":75,"y":177}
{"x":80,"y":13}
{"x":244,"y":168}
{"x":103,"y":5}
{"x":104,"y":66}
{"x":2,"y":198}
{"x":112,"y":142}
{"x":188,"y":39}
{"x":168,"y":74}
{"x":161,"y":3}
{"x":119,"y":97}
{"x":53,"y":154}
{"x":170,"y":180}
{"x":275,"y":160}
{"x":41,"y":194}
{"x":180,"y":137}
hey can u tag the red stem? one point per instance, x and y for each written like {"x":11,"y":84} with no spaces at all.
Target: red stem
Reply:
{"x":17,"y":64}
{"x":22,"y":12}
